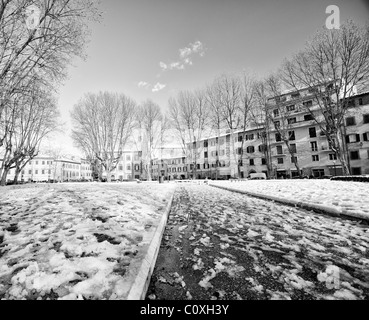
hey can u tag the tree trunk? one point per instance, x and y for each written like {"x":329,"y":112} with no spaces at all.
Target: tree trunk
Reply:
{"x":4,"y":176}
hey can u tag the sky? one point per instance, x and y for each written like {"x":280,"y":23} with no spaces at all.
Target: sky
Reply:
{"x":151,"y":49}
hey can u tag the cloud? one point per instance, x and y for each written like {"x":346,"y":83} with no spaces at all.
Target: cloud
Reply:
{"x":163,"y":66}
{"x":176,"y":65}
{"x":158,"y":87}
{"x":143,"y":84}
{"x":185,"y":57}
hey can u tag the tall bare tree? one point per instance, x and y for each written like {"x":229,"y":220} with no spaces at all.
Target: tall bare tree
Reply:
{"x":281,"y":116}
{"x":30,"y":120}
{"x":229,"y":92}
{"x":189,"y":118}
{"x":103,"y":123}
{"x":247,"y":103}
{"x":153,"y":126}
{"x":331,"y":65}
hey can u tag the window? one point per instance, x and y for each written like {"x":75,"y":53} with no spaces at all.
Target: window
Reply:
{"x":128,"y":168}
{"x":279,"y":150}
{"x":43,"y":163}
{"x":308,"y":117}
{"x":179,"y":169}
{"x":36,"y":172}
{"x":315,"y":157}
{"x":136,"y":157}
{"x":352,"y":138}
{"x":205,"y":154}
{"x":29,"y":171}
{"x":240,"y":138}
{"x":278,"y":137}
{"x":252,"y":162}
{"x":197,"y":167}
{"x":366,"y":136}
{"x":276,"y":112}
{"x":174,"y":170}
{"x":366,"y":118}
{"x":308,"y":104}
{"x":350,"y":121}
{"x":221,"y":141}
{"x":318,"y":173}
{"x":249,"y":137}
{"x":293,"y":159}
{"x":312,"y":132}
{"x":120,"y":168}
{"x":206,"y":144}
{"x":354,"y":155}
{"x":314,"y":146}
{"x":184,"y":169}
{"x":295,"y":95}
{"x":43,"y":171}
{"x":30,"y":162}
{"x":213,"y":143}
{"x":36,"y":162}
{"x":239,"y":150}
{"x":262,"y":148}
{"x":293,"y":148}
{"x":280,"y":160}
{"x":137,"y":167}
{"x":356,"y":171}
{"x":222,"y":152}
{"x":290,"y":108}
{"x":250,"y":149}
{"x":291,"y":135}
{"x":291,"y":120}
{"x":332,"y":157}
{"x":49,"y":171}
{"x":277,"y":124}
{"x":263,"y":161}
{"x":360,"y":101}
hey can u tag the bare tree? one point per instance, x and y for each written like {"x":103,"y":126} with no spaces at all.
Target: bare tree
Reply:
{"x":247,"y":102}
{"x":103,"y":124}
{"x":189,"y":117}
{"x":30,"y":120}
{"x":216,"y":118}
{"x":38,"y":46}
{"x":259,"y":119}
{"x":331,"y":65}
{"x":229,"y":92}
{"x":153,"y":126}
{"x":281,"y":117}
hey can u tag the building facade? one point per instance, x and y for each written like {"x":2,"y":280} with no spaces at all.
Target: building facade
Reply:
{"x":221,"y":157}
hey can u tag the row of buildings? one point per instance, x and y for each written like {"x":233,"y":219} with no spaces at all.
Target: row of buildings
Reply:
{"x":45,"y":168}
{"x":223,"y":155}
{"x":220,"y":157}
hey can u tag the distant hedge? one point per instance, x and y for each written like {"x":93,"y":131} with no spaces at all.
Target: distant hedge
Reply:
{"x":351,"y":178}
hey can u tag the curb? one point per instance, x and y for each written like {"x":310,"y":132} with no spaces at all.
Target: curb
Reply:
{"x":141,"y":282}
{"x":319,"y":208}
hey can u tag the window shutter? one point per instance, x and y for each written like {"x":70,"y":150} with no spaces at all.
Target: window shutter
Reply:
{"x":365,"y":136}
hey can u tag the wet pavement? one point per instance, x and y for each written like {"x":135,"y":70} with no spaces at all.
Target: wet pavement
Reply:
{"x":220,"y":245}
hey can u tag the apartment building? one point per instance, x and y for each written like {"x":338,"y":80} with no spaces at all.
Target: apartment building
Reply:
{"x":220,"y":156}
{"x":171,"y":168}
{"x":129,"y":167}
{"x":45,"y":168}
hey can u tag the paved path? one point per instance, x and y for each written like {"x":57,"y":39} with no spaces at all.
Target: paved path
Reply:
{"x":224,"y":245}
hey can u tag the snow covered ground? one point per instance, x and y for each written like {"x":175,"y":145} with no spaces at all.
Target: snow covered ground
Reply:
{"x":349,"y":198}
{"x":225,"y":245}
{"x":76,"y":241}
